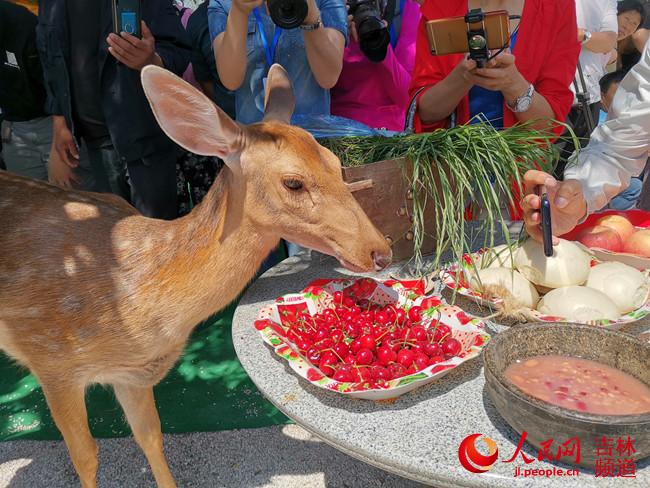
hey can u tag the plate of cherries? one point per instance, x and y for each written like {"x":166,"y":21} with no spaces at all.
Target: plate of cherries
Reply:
{"x":369,"y":339}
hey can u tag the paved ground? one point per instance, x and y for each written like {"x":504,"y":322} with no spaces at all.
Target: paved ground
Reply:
{"x":273,"y":457}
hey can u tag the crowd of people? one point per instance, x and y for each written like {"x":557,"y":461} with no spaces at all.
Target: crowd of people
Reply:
{"x":75,"y":112}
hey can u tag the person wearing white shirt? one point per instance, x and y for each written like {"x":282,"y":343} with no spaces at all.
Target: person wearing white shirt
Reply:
{"x":617,"y":150}
{"x":597,"y":32}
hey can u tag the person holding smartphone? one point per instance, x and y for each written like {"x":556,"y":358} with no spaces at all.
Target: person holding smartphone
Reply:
{"x":105,"y":135}
{"x":247,"y":42}
{"x":529,"y":81}
{"x":617,"y":151}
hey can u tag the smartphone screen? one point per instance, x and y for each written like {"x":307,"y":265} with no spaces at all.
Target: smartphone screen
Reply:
{"x":126,"y":17}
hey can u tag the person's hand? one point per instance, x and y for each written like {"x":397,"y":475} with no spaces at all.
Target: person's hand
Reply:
{"x":133,"y":52}
{"x":59,"y":172}
{"x":246,"y":6}
{"x":352,"y":27}
{"x":567,"y":201}
{"x":465,"y":71}
{"x":581,"y":34}
{"x":501,"y":74}
{"x":63,"y":143}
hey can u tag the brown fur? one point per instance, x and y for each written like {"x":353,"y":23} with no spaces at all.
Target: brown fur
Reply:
{"x":93,"y":292}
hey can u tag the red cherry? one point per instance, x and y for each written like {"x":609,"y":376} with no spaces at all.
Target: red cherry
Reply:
{"x":451,"y":346}
{"x":380,"y":373}
{"x":414,"y":313}
{"x":348,"y":302}
{"x":364,"y":356}
{"x":436,"y":360}
{"x":355,"y":310}
{"x":368,"y":342}
{"x":341,"y":349}
{"x":419,"y":333}
{"x":321,"y":334}
{"x":338,"y":297}
{"x":352,"y":330}
{"x":364,"y":303}
{"x":325,"y":365}
{"x":354,"y":374}
{"x":397,"y":370}
{"x":405,"y":357}
{"x":330,"y":357}
{"x":325,"y":344}
{"x":349,"y":358}
{"x":348,"y":317}
{"x":421,"y":363}
{"x":313,"y":354}
{"x":336,"y":335}
{"x":382,"y":318}
{"x":420,"y":347}
{"x":343,"y":376}
{"x":355,"y":346}
{"x":433,"y":350}
{"x":411,"y":370}
{"x":386,"y":355}
{"x":441,"y":332}
{"x":304,"y":345}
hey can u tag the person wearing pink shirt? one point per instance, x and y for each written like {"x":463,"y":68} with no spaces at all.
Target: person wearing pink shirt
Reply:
{"x":376,"y":94}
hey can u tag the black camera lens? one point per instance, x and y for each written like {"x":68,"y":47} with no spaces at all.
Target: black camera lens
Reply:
{"x":288,"y":14}
{"x":373,"y":34}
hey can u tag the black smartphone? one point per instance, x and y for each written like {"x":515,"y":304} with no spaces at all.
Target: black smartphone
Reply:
{"x":547,"y":229}
{"x":127,"y":17}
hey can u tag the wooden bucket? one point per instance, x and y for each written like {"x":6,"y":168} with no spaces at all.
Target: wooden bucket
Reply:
{"x":383,"y":192}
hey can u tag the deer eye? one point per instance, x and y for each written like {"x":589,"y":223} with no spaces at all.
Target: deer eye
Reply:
{"x":292,"y":184}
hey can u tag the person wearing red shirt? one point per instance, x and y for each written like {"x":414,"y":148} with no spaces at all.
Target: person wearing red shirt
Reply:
{"x":530,"y":83}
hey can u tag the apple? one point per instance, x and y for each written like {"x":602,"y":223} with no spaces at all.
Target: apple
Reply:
{"x":601,"y":237}
{"x":619,"y":223}
{"x":639,"y":243}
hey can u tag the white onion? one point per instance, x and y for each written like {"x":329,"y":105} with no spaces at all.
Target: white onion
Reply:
{"x":519,"y":287}
{"x":626,"y":286}
{"x":578,"y":303}
{"x":568,"y":266}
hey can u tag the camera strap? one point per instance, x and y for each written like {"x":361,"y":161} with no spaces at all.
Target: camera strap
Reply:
{"x":269,"y":51}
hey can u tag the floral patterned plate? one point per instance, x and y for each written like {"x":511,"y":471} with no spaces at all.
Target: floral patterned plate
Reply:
{"x":455,"y":277}
{"x":319,"y":295}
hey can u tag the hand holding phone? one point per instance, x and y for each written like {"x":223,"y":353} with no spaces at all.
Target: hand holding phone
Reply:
{"x":133,"y":52}
{"x":547,"y":228}
{"x":127,"y":17}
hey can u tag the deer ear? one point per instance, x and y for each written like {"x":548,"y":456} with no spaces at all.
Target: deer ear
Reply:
{"x":278,"y":97}
{"x":188,"y":117}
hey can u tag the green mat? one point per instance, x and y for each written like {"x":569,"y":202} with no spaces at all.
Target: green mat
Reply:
{"x":206,"y":391}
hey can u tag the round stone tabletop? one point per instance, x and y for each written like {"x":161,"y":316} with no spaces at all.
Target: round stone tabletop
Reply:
{"x":416,"y":436}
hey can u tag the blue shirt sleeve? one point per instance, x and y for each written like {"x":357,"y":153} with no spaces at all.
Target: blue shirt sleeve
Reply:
{"x":217,"y":17}
{"x":333,"y":14}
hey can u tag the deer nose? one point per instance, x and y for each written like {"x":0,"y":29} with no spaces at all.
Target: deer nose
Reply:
{"x":381,"y":259}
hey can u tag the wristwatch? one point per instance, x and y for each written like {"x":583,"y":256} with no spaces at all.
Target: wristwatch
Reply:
{"x":587,"y":37}
{"x":524,"y":102}
{"x":312,"y":27}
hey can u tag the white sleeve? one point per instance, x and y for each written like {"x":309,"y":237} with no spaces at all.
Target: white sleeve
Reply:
{"x":609,"y":22}
{"x":617,"y":149}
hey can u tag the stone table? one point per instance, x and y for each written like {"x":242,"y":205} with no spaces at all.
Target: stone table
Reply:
{"x":417,"y":436}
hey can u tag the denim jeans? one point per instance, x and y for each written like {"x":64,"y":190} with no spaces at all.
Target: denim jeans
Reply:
{"x":26,"y":146}
{"x":628,"y":198}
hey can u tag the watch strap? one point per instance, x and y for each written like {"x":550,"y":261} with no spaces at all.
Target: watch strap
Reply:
{"x":515,"y":106}
{"x":312,"y":27}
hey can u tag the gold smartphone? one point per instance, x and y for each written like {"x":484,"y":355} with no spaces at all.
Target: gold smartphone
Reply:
{"x":450,"y":36}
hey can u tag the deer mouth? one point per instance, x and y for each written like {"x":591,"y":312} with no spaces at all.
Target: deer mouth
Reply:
{"x":351,"y":266}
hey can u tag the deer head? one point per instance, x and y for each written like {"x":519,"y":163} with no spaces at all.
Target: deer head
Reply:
{"x":292,"y":187}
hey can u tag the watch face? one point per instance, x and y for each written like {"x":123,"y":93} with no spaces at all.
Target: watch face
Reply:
{"x":524,"y":104}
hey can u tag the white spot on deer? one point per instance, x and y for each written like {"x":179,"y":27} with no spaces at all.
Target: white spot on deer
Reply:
{"x":169,"y":235}
{"x":81,"y":211}
{"x":147,"y":244}
{"x":69,"y":265}
{"x":83,"y":254}
{"x":122,"y":244}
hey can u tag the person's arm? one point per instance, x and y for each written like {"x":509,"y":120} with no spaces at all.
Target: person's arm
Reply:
{"x":325,"y":46}
{"x":229,"y":31}
{"x":600,"y":42}
{"x":440,"y":100}
{"x":617,"y":149}
{"x":640,"y":38}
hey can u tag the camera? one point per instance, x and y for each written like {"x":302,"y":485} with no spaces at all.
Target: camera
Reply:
{"x":373,"y":33}
{"x":288,"y":14}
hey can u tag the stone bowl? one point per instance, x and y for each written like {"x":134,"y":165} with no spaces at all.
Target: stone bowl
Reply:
{"x":543,"y":421}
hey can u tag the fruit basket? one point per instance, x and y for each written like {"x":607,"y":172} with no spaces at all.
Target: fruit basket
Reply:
{"x":369,"y":339}
{"x":605,"y":245}
{"x":455,"y":278}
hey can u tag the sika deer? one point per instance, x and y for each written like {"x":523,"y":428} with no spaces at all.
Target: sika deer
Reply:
{"x":93,"y":292}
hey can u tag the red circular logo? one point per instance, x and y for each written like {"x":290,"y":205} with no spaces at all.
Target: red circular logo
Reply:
{"x":474,"y":461}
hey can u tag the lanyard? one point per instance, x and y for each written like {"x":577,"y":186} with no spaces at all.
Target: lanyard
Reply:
{"x":393,"y":35}
{"x":270,"y":52}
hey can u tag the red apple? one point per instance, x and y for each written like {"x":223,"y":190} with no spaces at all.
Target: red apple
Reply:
{"x":619,"y":223}
{"x":601,"y":237}
{"x":639,"y":243}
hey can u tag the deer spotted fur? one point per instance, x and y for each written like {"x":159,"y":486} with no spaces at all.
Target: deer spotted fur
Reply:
{"x":93,"y":292}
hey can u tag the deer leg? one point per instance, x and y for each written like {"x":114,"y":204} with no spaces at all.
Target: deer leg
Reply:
{"x":140,"y":410}
{"x":68,"y":407}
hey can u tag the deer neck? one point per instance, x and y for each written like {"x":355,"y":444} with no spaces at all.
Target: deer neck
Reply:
{"x":217,"y":251}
